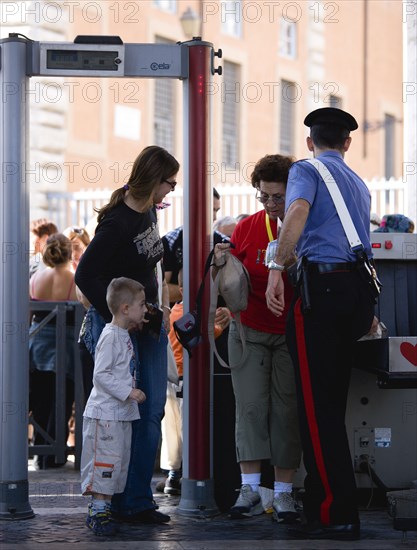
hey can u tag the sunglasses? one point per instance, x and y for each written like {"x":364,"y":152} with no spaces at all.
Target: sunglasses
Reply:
{"x":264,"y":198}
{"x":77,"y":230}
{"x":171,"y":183}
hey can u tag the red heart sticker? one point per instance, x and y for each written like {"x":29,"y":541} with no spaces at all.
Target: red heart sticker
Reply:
{"x":409,"y":351}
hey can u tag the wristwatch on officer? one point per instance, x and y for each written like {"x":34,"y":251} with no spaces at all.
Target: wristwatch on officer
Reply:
{"x":275,"y":267}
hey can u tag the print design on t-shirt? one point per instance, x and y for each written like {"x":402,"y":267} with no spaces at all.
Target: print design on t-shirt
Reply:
{"x":149,"y":244}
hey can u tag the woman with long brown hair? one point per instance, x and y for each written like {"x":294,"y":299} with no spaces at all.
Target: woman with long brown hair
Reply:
{"x":127,"y":244}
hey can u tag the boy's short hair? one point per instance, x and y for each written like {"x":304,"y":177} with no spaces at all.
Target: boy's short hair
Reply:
{"x":122,"y":291}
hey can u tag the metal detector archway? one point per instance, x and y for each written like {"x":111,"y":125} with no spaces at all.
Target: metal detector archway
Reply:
{"x":20,"y":59}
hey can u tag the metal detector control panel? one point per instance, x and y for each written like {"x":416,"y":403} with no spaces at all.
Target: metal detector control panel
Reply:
{"x":111,"y":60}
{"x":80,"y":59}
{"x":394,"y":246}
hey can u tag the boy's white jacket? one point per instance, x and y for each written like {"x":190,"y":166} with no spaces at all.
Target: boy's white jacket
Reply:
{"x":113,"y":381}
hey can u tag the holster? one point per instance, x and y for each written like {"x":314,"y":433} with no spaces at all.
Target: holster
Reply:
{"x":366,"y":269}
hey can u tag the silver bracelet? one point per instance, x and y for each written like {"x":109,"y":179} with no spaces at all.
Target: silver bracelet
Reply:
{"x":275,"y":267}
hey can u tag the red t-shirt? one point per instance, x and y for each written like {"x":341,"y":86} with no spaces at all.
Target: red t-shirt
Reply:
{"x":251,"y":239}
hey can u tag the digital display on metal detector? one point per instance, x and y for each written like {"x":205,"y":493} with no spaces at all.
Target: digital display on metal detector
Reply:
{"x":82,"y":60}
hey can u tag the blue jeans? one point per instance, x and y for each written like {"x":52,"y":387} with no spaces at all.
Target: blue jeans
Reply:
{"x":146,"y":432}
{"x":93,"y":324}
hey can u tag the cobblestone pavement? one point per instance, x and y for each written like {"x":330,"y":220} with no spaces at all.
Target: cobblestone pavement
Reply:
{"x":60,"y":515}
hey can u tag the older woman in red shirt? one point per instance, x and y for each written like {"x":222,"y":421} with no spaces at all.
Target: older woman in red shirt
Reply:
{"x":264,"y":386}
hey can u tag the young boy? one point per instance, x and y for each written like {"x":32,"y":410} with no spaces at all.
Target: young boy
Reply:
{"x":112,"y":405}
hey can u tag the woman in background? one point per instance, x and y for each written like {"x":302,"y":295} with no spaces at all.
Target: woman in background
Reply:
{"x":80,"y":239}
{"x":53,"y":283}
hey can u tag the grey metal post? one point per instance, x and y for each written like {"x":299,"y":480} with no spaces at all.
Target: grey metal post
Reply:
{"x":14,"y":283}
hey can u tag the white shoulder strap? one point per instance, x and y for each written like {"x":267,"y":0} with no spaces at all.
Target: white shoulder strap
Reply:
{"x":343,"y":213}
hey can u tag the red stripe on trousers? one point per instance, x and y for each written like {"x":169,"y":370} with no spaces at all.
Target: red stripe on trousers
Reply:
{"x":310,"y":411}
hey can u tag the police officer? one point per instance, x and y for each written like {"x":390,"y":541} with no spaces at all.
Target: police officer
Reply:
{"x":321,"y":332}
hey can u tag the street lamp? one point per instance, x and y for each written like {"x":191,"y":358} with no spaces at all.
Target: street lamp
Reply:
{"x":190,"y":23}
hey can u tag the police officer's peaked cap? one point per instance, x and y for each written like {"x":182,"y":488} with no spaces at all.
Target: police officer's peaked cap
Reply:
{"x":331,"y":115}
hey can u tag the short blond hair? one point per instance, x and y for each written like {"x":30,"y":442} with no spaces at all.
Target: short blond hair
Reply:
{"x":122,"y":291}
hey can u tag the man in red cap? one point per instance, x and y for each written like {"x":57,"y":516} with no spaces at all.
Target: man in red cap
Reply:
{"x":332,"y":308}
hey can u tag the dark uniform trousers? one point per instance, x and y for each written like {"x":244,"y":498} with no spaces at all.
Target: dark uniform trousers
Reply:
{"x":321,"y":343}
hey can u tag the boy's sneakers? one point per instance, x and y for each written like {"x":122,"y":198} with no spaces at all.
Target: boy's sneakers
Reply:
{"x":284,"y":509}
{"x":247,"y":504}
{"x":100,"y":522}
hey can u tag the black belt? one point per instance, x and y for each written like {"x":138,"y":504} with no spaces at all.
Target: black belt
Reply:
{"x":332,"y":268}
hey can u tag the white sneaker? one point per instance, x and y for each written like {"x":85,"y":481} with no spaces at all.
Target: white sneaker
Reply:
{"x":284,"y":508}
{"x":248,"y":504}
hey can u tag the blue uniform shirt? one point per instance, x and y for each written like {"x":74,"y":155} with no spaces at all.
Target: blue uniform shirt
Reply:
{"x":323,"y":239}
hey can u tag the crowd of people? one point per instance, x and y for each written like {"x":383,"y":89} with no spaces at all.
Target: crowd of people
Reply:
{"x":291,"y":389}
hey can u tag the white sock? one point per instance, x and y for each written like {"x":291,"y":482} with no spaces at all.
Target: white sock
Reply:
{"x":99,"y":505}
{"x":281,"y":487}
{"x":254,"y":480}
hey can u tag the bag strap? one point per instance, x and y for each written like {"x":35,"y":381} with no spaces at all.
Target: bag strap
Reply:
{"x":212,"y":313}
{"x":214,"y":294}
{"x":199,"y":297}
{"x":340,"y":205}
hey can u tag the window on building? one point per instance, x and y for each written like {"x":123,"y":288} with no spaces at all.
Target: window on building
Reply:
{"x":166,"y":5}
{"x":230,"y":122}
{"x":289,"y":93}
{"x":164,"y":109}
{"x":288,"y":39}
{"x":389,"y":128}
{"x":231,"y":17}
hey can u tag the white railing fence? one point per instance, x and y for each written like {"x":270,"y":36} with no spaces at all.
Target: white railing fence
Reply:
{"x":77,"y":209}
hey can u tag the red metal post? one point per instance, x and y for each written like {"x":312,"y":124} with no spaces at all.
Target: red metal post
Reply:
{"x":200,"y":222}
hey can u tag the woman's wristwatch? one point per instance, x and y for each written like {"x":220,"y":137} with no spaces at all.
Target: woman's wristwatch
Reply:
{"x":275,"y":267}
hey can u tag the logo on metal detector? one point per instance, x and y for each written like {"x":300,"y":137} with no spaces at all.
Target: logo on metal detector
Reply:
{"x":160,"y":66}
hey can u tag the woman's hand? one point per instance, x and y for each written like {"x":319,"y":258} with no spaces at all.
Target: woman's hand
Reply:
{"x":81,"y":298}
{"x":222,"y":317}
{"x":220,"y":251}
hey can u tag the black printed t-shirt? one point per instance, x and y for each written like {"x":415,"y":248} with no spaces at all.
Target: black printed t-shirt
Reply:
{"x":126,"y":244}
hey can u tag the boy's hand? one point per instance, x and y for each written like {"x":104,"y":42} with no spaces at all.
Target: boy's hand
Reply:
{"x":137,"y":395}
